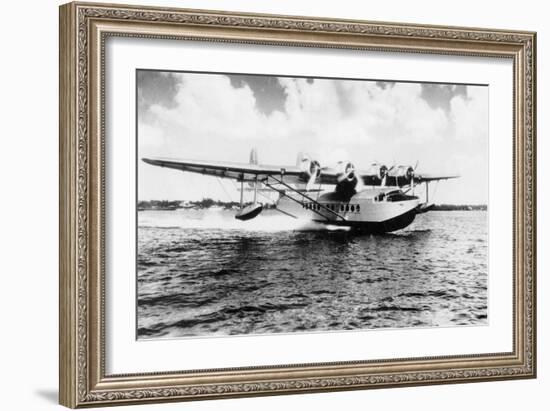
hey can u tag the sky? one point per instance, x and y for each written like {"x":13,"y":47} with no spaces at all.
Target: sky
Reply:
{"x":204,"y":116}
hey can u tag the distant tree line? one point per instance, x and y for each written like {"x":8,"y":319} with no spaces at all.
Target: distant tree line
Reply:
{"x":459,"y":207}
{"x":208,"y":202}
{"x":175,"y":204}
{"x":158,"y":205}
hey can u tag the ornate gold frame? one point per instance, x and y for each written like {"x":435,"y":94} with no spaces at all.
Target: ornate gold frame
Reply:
{"x":83,"y":30}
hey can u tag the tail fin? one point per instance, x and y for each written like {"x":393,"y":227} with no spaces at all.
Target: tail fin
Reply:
{"x":254,"y":156}
{"x":300,"y":158}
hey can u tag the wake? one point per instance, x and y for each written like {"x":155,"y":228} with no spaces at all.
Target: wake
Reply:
{"x":224,"y":220}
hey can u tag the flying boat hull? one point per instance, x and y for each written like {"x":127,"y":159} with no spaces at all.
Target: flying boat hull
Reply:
{"x":361,"y":211}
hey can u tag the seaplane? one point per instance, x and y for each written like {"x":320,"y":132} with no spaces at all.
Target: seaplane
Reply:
{"x":376,"y":200}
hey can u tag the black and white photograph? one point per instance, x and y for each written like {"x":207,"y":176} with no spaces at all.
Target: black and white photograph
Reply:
{"x":271,"y":204}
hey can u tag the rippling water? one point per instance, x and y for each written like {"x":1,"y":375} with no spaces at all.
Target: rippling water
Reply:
{"x":203,"y":273}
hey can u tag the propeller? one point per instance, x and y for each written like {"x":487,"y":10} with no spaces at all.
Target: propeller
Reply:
{"x":389,"y":174}
{"x":314,"y":172}
{"x":346,"y":171}
{"x":402,"y":175}
{"x":383,"y":173}
{"x":410,"y":173}
{"x":415,"y":167}
{"x":347,"y":181}
{"x":375,"y":174}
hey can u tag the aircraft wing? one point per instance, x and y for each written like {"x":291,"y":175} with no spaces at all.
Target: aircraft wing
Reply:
{"x":370,"y":179}
{"x":292,"y":174}
{"x":427,"y":177}
{"x":230,"y":170}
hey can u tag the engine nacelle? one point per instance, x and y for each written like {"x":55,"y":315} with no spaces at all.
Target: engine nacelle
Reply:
{"x":382,"y":172}
{"x":311,"y":170}
{"x":401,"y":175}
{"x":347,"y":179}
{"x":375,"y":174}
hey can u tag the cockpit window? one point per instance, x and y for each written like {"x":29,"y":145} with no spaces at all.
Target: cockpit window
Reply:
{"x":398,"y":196}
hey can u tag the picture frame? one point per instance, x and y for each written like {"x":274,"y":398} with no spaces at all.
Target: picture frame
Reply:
{"x":84,"y":30}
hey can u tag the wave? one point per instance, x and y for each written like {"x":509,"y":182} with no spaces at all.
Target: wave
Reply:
{"x":224,"y":220}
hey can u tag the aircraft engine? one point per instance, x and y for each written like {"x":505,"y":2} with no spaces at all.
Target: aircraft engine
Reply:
{"x":382,"y":172}
{"x":401,"y":175}
{"x":346,"y":179}
{"x":375,"y":174}
{"x":311,"y":170}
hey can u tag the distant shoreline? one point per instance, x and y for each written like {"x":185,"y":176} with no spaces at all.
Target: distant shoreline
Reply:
{"x":459,"y":207}
{"x":171,"y":205}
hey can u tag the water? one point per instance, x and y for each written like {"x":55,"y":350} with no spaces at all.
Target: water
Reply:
{"x":203,"y":273}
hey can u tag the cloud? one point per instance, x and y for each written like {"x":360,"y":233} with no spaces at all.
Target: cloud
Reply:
{"x":268,"y":92}
{"x":220,"y":118}
{"x":156,"y":87}
{"x":348,"y":111}
{"x":440,"y":95}
{"x":209,"y":105}
{"x":470,"y":115}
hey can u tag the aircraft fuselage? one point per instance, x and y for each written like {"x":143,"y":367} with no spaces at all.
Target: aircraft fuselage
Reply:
{"x":371,"y":210}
